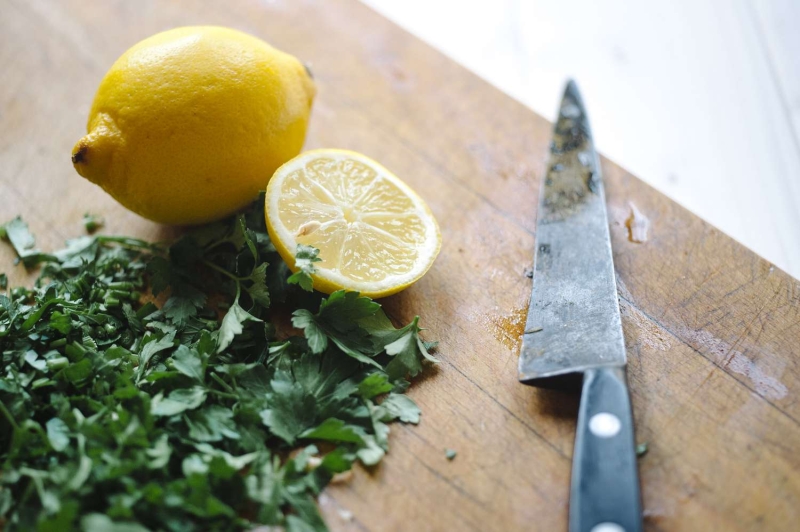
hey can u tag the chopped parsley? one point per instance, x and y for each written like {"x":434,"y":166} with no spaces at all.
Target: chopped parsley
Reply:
{"x":153,"y":387}
{"x":92,"y":222}
{"x":641,"y":449}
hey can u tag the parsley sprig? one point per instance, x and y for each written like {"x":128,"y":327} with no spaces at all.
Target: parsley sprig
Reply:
{"x":152,"y":387}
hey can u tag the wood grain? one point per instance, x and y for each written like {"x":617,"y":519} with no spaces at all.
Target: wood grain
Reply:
{"x":713,"y":331}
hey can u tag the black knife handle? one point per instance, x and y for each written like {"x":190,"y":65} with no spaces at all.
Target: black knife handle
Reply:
{"x":604,"y":495}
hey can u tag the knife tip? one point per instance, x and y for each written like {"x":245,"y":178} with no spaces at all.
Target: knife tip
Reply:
{"x":572,"y":110}
{"x":571,"y":90}
{"x":571,"y":84}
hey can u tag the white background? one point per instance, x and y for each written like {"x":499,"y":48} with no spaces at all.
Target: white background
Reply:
{"x":700,"y":98}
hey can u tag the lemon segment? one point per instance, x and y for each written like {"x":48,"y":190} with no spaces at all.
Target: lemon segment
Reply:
{"x":374,"y":234}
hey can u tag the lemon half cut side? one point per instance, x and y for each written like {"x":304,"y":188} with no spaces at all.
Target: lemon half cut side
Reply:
{"x":374,"y":234}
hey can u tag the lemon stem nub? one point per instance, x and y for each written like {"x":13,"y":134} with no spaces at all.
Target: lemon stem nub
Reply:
{"x":92,"y":155}
{"x":79,"y":155}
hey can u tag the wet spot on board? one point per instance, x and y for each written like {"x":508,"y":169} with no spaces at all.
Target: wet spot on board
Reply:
{"x":399,"y":78}
{"x":508,"y":328}
{"x":387,"y":64}
{"x":763,"y":379}
{"x":517,"y":172}
{"x":399,"y":74}
{"x":638,"y":225}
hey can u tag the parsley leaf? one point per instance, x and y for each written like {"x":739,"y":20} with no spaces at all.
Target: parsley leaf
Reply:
{"x":402,"y":407}
{"x":374,"y":384}
{"x":152,"y":345}
{"x":211,"y":424}
{"x":408,"y":350}
{"x":16,"y":231}
{"x":304,"y":260}
{"x":58,"y":434}
{"x":291,"y":408}
{"x":317,"y":339}
{"x":178,"y":401}
{"x":189,"y":362}
{"x":258,"y":289}
{"x":144,"y":387}
{"x":232,"y":325}
{"x":333,"y":429}
{"x":337,"y":321}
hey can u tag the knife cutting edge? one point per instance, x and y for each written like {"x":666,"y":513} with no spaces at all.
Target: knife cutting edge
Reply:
{"x":574,"y":328}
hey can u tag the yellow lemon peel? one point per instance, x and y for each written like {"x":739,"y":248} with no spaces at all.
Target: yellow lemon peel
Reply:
{"x":189,"y":124}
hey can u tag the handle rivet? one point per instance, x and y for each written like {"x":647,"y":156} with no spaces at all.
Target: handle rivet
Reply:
{"x":607,"y":527}
{"x":604,"y":425}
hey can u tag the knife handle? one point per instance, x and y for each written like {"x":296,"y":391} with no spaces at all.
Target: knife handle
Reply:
{"x":604,"y":496}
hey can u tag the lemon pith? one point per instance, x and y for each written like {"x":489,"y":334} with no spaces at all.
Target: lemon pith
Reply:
{"x":374,"y":233}
{"x":189,"y":124}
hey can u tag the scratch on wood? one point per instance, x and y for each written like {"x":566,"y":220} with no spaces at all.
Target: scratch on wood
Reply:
{"x":508,"y":411}
{"x":716,"y":350}
{"x":747,"y":327}
{"x":723,"y":353}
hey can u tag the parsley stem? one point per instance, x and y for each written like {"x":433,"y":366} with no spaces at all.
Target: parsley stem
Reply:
{"x":221,"y":382}
{"x":41,"y":383}
{"x":27,"y":493}
{"x":128,"y":242}
{"x":223,"y":394}
{"x":222,"y":270}
{"x":216,"y":244}
{"x":8,"y":416}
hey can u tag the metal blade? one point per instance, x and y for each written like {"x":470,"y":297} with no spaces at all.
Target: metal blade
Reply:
{"x":573,"y":320}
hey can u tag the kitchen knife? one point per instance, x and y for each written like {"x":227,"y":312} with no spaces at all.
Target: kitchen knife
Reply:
{"x":574,"y":328}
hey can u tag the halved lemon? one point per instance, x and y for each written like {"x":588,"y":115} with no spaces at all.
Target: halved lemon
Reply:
{"x":374,"y":234}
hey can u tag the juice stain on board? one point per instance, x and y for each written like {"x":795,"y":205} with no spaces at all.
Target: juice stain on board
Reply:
{"x":638,"y":224}
{"x":508,"y":328}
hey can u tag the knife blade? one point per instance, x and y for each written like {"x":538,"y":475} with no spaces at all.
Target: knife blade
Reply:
{"x":573,"y":329}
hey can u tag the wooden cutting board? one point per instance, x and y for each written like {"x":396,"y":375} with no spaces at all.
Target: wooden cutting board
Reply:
{"x":712,"y":330}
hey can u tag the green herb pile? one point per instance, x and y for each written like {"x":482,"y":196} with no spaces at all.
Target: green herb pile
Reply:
{"x":230,"y":405}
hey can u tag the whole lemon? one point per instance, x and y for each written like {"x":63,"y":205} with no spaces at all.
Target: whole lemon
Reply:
{"x":189,"y":124}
